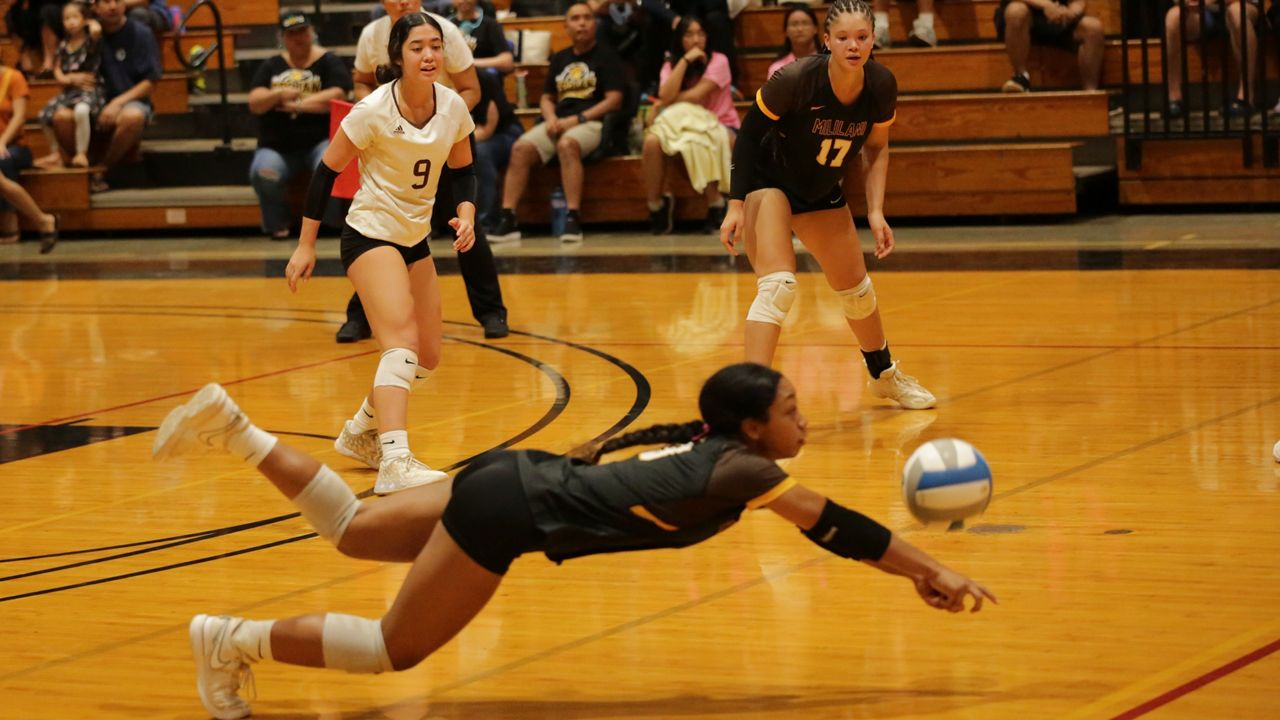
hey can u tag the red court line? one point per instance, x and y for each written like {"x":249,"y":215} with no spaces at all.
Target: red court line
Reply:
{"x":1196,"y":684}
{"x":181,"y":393}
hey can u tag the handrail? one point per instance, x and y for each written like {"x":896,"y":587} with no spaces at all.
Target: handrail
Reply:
{"x":198,"y":62}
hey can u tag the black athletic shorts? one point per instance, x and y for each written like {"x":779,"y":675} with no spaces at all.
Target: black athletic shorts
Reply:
{"x":353,"y":245}
{"x":1043,"y":32}
{"x":799,"y":205}
{"x":488,"y":515}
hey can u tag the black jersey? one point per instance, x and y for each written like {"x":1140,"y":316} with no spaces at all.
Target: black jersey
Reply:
{"x":813,"y":135}
{"x":668,"y":498}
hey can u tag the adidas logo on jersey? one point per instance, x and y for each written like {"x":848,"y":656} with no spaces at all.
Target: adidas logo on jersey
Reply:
{"x":398,"y":131}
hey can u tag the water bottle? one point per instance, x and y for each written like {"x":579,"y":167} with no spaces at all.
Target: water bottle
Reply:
{"x":522,"y":89}
{"x":559,"y":211}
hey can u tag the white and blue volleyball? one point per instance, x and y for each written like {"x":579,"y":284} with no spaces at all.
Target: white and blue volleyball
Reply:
{"x":946,"y":480}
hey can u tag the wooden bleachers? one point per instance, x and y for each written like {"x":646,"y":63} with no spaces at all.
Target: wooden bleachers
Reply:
{"x":1180,"y":172}
{"x":168,"y":56}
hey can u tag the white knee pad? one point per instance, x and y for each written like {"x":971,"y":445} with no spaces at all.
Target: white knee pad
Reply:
{"x":397,"y":368}
{"x":354,"y":644}
{"x":328,"y":504}
{"x":859,"y":301}
{"x":775,"y":293}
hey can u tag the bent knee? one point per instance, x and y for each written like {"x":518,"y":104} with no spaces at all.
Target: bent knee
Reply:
{"x":1016,"y":12}
{"x":568,"y":146}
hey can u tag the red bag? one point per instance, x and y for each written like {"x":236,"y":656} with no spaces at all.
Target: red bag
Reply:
{"x":349,"y":180}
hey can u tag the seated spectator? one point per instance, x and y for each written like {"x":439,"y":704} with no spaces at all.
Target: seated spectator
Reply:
{"x":14,"y":158}
{"x":290,"y":95}
{"x":152,"y":13}
{"x":497,"y":129}
{"x":664,"y":15}
{"x":130,"y":64}
{"x":1207,"y":18}
{"x":79,"y":57}
{"x":802,"y":39}
{"x":922,"y":33}
{"x":484,"y":36}
{"x":584,"y":83}
{"x":1057,"y":23}
{"x":35,"y":25}
{"x":696,"y":115}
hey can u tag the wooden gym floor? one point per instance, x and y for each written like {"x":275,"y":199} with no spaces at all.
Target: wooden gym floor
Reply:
{"x":1128,"y":416}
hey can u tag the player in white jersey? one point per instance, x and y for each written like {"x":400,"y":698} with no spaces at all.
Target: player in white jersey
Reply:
{"x":404,"y":134}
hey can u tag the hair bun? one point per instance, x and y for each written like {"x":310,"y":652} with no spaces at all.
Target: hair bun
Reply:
{"x":387,"y":73}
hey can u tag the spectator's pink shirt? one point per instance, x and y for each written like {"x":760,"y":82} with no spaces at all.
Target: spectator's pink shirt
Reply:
{"x":720,"y":101}
{"x":780,"y":63}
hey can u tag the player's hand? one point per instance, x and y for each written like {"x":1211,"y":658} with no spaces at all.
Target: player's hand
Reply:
{"x":882,"y":233}
{"x":465,"y":232}
{"x":948,"y":589}
{"x":300,"y":265}
{"x":731,"y":228}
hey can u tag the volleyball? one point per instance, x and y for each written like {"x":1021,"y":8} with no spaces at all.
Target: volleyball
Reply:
{"x":946,"y":480}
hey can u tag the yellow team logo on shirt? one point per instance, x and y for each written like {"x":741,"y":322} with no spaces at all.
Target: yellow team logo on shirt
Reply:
{"x":576,"y":82}
{"x":305,"y":81}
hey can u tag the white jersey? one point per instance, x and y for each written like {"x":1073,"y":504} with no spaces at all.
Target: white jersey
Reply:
{"x":371,"y":49}
{"x":400,"y":164}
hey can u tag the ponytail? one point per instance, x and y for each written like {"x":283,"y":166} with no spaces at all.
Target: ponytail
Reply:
{"x":388,"y":73}
{"x":666,"y":434}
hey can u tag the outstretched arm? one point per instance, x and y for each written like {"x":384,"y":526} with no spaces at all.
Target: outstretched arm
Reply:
{"x":853,"y":535}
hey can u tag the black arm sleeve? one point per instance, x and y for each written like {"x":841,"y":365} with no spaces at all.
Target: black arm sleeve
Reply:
{"x":463,"y":183}
{"x":746,"y":153}
{"x":849,"y":534}
{"x":318,"y":191}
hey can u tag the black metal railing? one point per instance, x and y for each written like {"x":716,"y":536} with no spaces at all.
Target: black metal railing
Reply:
{"x":197,"y":61}
{"x":1150,"y":114}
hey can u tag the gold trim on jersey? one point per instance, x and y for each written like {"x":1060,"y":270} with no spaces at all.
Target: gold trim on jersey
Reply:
{"x":888,"y":122}
{"x":764,"y":108}
{"x":643,"y":512}
{"x":772,"y":494}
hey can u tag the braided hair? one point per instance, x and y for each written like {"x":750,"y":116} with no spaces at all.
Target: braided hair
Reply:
{"x":845,"y":7}
{"x":733,"y":394}
{"x":394,"y":69}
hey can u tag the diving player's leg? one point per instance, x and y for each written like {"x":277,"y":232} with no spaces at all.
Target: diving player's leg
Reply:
{"x":832,"y":238}
{"x":767,"y":236}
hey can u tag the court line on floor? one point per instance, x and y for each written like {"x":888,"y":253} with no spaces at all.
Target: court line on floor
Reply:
{"x":1189,"y":687}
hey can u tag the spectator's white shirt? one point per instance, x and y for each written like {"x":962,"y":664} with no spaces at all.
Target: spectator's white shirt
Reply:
{"x":400,"y":164}
{"x":371,"y":49}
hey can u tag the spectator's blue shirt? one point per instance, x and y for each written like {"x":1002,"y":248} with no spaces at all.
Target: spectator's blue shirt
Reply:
{"x":129,"y":56}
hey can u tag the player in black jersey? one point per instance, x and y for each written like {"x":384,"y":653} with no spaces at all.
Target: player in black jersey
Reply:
{"x":797,"y":146}
{"x":461,"y":538}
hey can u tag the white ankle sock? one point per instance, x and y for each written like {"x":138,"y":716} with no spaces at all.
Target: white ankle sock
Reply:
{"x":252,"y":443}
{"x":926,"y":18}
{"x":716,"y":203}
{"x":395,"y":444}
{"x":253,"y":639}
{"x":365,"y":419}
{"x":655,"y":206}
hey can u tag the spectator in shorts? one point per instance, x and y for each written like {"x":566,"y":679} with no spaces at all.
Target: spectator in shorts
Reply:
{"x":1058,"y":23}
{"x":1207,"y":18}
{"x":584,"y":83}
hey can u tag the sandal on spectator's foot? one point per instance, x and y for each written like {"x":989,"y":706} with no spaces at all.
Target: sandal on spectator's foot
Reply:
{"x":52,"y":161}
{"x":50,"y":238}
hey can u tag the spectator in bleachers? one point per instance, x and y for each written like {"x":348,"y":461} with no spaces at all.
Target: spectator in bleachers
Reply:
{"x":14,"y":158}
{"x":696,"y":117}
{"x":800,"y":36}
{"x":497,"y":129}
{"x":922,"y":33}
{"x":290,"y":95}
{"x":36,"y":25}
{"x":484,"y":36}
{"x":1056,"y":23}
{"x":130,"y":64}
{"x":664,"y":15}
{"x":584,"y":83}
{"x":620,"y":24}
{"x":79,"y":57}
{"x":152,"y":13}
{"x":1207,"y":18}
{"x":479,"y":272}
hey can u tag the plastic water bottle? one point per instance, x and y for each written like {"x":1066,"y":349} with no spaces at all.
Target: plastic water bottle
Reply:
{"x":559,"y":211}
{"x":522,"y":89}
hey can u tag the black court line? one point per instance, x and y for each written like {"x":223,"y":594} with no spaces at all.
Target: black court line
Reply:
{"x":643,"y":394}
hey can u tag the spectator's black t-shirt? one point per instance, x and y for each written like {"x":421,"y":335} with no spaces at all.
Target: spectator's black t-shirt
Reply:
{"x":485,"y":39}
{"x":283,"y":132}
{"x":580,"y":81}
{"x":491,"y":91}
{"x":129,"y":56}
